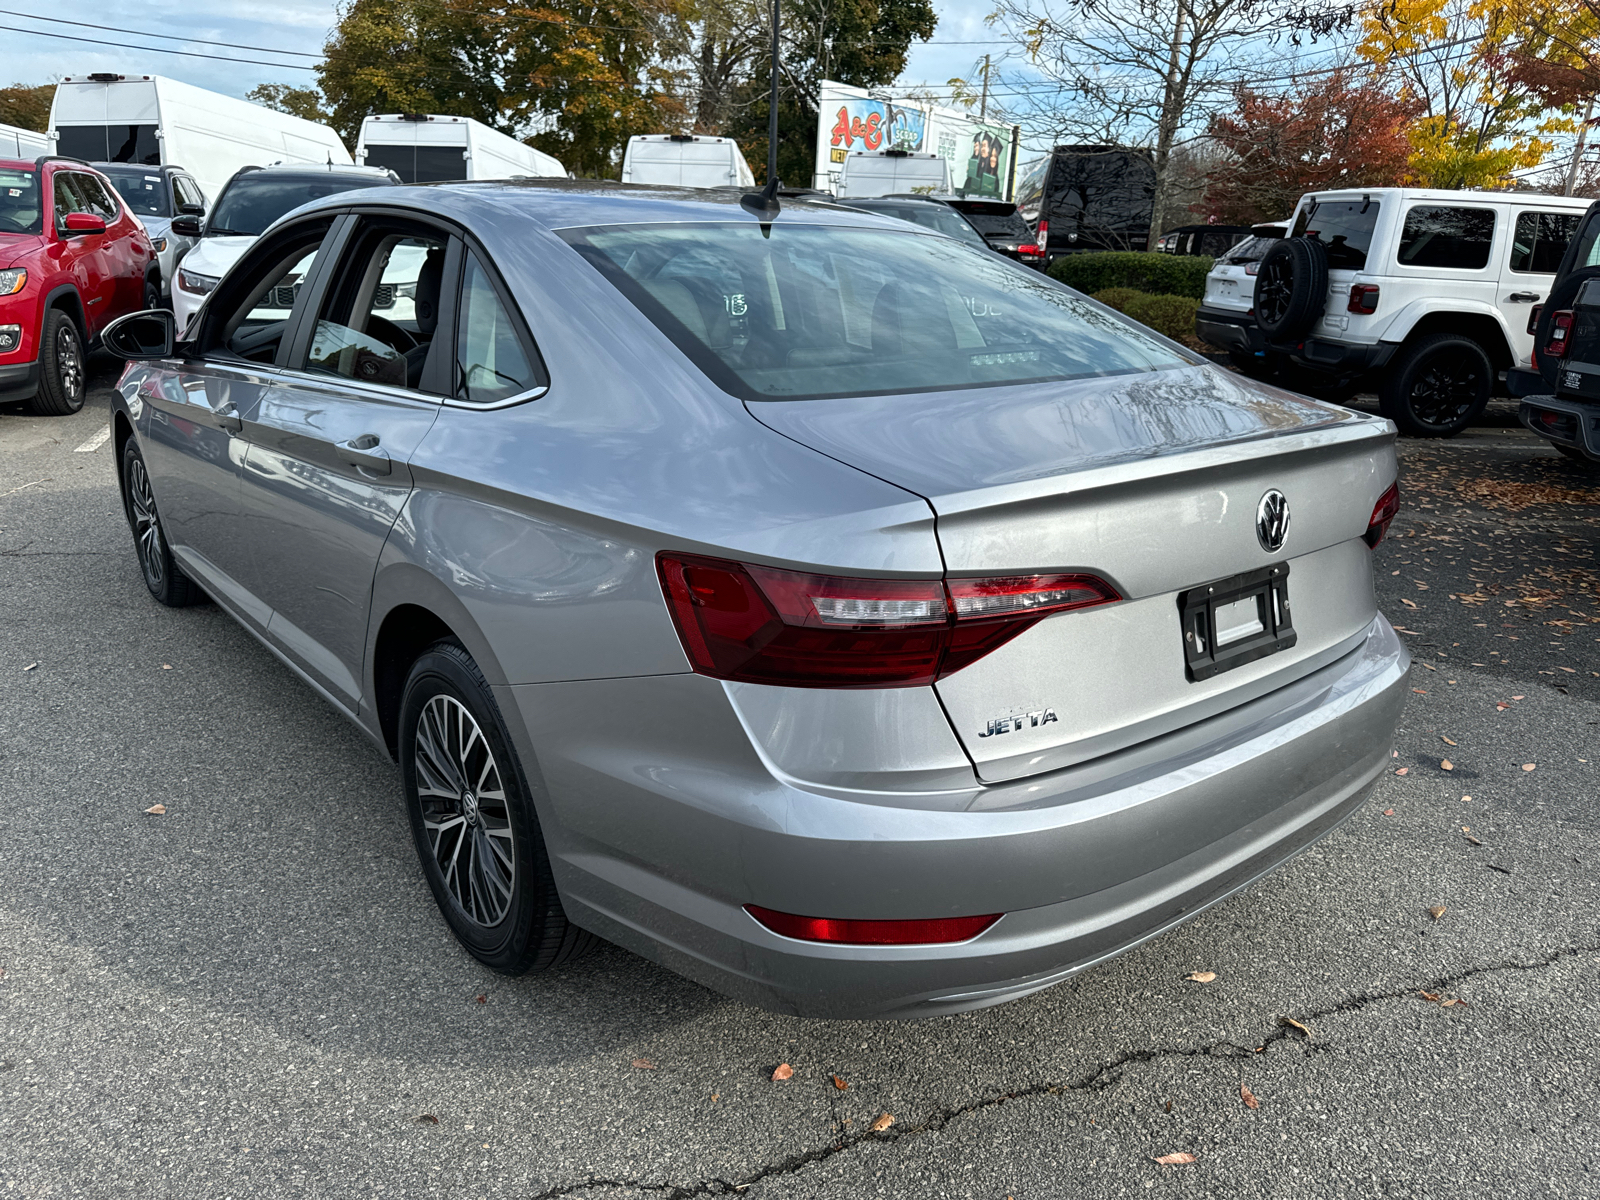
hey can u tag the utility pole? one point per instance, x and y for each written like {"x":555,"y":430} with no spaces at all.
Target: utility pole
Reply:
{"x":983,"y":105}
{"x":1577,"y":151}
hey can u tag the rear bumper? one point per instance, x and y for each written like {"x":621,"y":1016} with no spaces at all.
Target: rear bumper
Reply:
{"x":19,"y":381}
{"x":1229,"y":330}
{"x":1524,"y":381}
{"x":1572,"y":423}
{"x":1341,"y":358}
{"x":659,"y":851}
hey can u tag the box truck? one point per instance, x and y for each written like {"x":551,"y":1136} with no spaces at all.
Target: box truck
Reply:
{"x":431,"y":148}
{"x":23,"y":143}
{"x":150,"y":120}
{"x":685,"y":160}
{"x":892,"y":172}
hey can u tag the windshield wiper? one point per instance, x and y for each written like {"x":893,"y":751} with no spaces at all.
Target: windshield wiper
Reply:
{"x":224,"y":231}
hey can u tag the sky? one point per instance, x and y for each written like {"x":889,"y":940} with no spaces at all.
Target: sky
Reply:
{"x":301,"y":26}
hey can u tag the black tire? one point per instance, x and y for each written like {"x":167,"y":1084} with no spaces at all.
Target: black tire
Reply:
{"x":63,"y":367}
{"x":162,"y":575}
{"x":1437,"y":385}
{"x":1576,"y":456}
{"x":1561,"y":296}
{"x":1291,"y":288}
{"x":502,"y":905}
{"x":152,"y":293}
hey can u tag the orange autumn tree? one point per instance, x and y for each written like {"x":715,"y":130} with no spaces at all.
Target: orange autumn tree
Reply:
{"x":1330,"y":132}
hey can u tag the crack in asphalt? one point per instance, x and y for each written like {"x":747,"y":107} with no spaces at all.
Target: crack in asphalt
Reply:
{"x":1105,"y":1076}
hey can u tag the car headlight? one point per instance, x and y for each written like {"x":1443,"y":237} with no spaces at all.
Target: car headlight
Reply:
{"x":12,"y":281}
{"x":159,"y":245}
{"x":195,"y":283}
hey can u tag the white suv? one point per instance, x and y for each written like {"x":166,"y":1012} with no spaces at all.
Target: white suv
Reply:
{"x":1428,"y":291}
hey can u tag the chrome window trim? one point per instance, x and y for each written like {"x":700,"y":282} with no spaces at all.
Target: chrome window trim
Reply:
{"x":533,"y":393}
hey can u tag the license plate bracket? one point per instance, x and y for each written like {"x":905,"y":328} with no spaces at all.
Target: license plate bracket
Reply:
{"x":1233,"y":621}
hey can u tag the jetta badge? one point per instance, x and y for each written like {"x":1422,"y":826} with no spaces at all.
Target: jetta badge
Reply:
{"x":1272,"y":520}
{"x":1032,"y":720}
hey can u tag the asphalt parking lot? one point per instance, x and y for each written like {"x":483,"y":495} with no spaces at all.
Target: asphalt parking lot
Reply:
{"x":252,"y":995}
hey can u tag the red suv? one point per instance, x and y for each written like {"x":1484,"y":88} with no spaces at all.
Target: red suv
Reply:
{"x":67,"y":269}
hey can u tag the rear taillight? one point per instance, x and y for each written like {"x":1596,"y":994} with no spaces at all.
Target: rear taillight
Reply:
{"x":1363,"y":298}
{"x":1555,"y":344}
{"x":1252,"y":268}
{"x":1382,"y":513}
{"x":1028,"y":253}
{"x":762,"y":625}
{"x":1533,"y":318}
{"x":936,"y":930}
{"x":1041,"y":235}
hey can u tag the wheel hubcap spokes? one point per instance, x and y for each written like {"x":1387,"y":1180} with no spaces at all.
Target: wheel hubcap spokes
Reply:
{"x":463,"y":798}
{"x":68,"y":359}
{"x":146,"y":529}
{"x":1276,"y":289}
{"x":1444,"y":392}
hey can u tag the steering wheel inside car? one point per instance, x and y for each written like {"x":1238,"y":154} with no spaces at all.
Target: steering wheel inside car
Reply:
{"x":388,"y":332}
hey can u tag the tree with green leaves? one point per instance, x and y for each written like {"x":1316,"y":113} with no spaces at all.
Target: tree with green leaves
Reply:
{"x":303,"y":102}
{"x":27,"y":106}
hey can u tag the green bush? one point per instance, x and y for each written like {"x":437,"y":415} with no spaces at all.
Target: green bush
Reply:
{"x":1172,"y":316}
{"x":1118,"y":297}
{"x":1158,"y":274}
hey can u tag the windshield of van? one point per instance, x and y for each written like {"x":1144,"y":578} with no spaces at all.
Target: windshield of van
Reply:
{"x":20,"y":210}
{"x":145,"y":192}
{"x":1343,"y":226}
{"x":255,"y":200}
{"x":420,"y":164}
{"x":799,"y":312}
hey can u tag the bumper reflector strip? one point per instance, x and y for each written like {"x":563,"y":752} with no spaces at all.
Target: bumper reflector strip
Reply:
{"x":939,"y":930}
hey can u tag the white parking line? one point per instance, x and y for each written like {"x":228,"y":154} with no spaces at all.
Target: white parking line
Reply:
{"x":94,"y":443}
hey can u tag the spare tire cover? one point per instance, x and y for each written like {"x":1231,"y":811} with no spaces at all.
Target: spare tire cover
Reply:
{"x":1561,"y":296}
{"x":1291,"y":288}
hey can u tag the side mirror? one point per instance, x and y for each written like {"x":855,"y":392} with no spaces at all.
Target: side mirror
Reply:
{"x":187,"y":225}
{"x":141,"y":335}
{"x":79,"y":223}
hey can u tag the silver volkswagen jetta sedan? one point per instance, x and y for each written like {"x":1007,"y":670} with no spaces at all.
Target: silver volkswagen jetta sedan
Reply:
{"x":856,"y":622}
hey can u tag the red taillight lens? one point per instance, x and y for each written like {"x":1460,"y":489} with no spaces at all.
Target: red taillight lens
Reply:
{"x":1533,"y":318}
{"x":763,"y":625}
{"x":1041,"y":235}
{"x":872,"y":933}
{"x":1252,"y":268}
{"x":1382,"y":513}
{"x":1555,"y":345}
{"x":1363,"y":298}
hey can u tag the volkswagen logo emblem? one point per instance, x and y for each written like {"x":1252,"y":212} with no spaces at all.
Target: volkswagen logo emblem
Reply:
{"x":1272,"y":520}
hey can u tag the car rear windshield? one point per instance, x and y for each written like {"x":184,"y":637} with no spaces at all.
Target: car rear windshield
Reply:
{"x":20,"y":210}
{"x":1252,"y":249}
{"x":927,"y":213}
{"x":994,"y":220}
{"x":145,"y":192}
{"x":252,"y":202}
{"x":1343,"y":226}
{"x":811,"y":311}
{"x":420,"y":164}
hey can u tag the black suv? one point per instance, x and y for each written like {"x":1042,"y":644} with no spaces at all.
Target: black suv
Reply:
{"x":1561,"y":393}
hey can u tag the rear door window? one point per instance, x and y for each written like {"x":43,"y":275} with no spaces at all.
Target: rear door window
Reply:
{"x":1540,"y":239}
{"x":1343,"y":226}
{"x":1447,"y":236}
{"x":492,"y":362}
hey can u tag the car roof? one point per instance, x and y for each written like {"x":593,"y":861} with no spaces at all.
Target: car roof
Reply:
{"x":145,"y":167}
{"x":378,"y":175}
{"x":1452,"y":196}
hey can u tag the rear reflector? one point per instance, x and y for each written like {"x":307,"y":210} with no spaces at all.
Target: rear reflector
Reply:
{"x":1555,"y":345}
{"x":1382,"y":513}
{"x":758,"y":624}
{"x":939,"y":930}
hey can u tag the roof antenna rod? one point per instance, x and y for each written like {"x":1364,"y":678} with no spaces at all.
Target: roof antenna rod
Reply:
{"x":765,"y":202}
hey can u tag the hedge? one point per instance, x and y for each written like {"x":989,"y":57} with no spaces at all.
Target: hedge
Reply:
{"x":1159,"y":274}
{"x":1172,"y":316}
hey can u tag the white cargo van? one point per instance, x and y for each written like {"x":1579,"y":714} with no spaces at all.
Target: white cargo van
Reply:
{"x":892,"y":172}
{"x":23,"y":143}
{"x":150,"y":120}
{"x":685,"y":160}
{"x":429,"y":148}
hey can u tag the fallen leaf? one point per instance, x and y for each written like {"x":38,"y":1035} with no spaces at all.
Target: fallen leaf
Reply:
{"x":1248,"y":1097}
{"x":483,"y":999}
{"x":1500,"y":705}
{"x":1181,"y":1158}
{"x":783,"y":1071}
{"x":1473,"y":840}
{"x":883,"y":1122}
{"x":30,"y":667}
{"x":1287,"y":1021}
{"x":1169,"y":1105}
{"x":1450,"y":1003}
{"x":1403,"y":771}
{"x":1201,"y":976}
{"x":1430,"y":997}
{"x":1519,"y":697}
{"x":643,"y":1064}
{"x":429,"y":1118}
{"x":1464,"y":799}
{"x":1446,"y":740}
{"x":1407,"y":603}
{"x":166,"y":666}
{"x":839,"y":1083}
{"x":1388,"y":812}
{"x":1446,"y":765}
{"x":1420,"y":691}
{"x":1528,"y":766}
{"x":1437,"y":911}
{"x":157,"y":810}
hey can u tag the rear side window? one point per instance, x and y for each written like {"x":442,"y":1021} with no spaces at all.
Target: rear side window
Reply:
{"x":1540,"y":239}
{"x":491,"y":362}
{"x":1445,"y":236}
{"x":1343,"y":226}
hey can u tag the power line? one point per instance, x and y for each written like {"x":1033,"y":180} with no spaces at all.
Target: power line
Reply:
{"x":68,"y":37}
{"x":170,"y":37}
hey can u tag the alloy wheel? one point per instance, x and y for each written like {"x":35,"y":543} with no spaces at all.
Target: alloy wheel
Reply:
{"x":146,"y":527}
{"x":1444,"y":390}
{"x":1274,"y":291}
{"x":462,"y":793}
{"x":69,"y":362}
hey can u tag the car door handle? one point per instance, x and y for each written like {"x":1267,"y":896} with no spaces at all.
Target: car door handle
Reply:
{"x":363,"y":452}
{"x":228,"y":417}
{"x":1523,"y":297}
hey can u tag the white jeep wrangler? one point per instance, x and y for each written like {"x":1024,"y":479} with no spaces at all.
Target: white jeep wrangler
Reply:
{"x":1426,"y":292}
